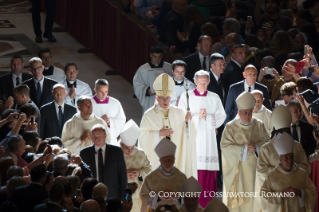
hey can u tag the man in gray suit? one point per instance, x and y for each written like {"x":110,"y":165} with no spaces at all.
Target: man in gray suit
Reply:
{"x":106,"y":162}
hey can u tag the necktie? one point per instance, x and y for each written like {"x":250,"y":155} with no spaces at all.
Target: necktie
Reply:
{"x":249,"y":89}
{"x":39,"y":93}
{"x":220,"y":89}
{"x":294,"y":132}
{"x":60,"y":117}
{"x":18,"y":81}
{"x":101,"y":168}
{"x":204,"y":64}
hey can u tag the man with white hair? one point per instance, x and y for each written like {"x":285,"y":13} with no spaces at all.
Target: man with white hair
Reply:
{"x":137,"y":163}
{"x":76,"y":131}
{"x":165,"y":178}
{"x":40,"y":86}
{"x":287,"y":178}
{"x":106,"y":162}
{"x":260,"y":111}
{"x":208,"y":114}
{"x":268,"y":156}
{"x":55,"y":114}
{"x":240,"y":145}
{"x":108,"y":108}
{"x":166,"y":120}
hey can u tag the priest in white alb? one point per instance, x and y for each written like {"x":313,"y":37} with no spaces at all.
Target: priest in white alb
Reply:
{"x":136,"y":160}
{"x":240,"y":143}
{"x":191,"y":190}
{"x":268,"y":156}
{"x":145,"y":76}
{"x":166,"y":120}
{"x":287,"y":187}
{"x":76,"y":133}
{"x":215,"y":205}
{"x":207,"y":115}
{"x":108,"y":108}
{"x":182,"y":84}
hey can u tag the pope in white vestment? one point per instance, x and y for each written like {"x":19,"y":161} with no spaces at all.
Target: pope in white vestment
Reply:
{"x":268,"y":156}
{"x":165,"y":178}
{"x":208,"y":114}
{"x":240,"y":144}
{"x":287,"y":179}
{"x":136,"y":160}
{"x":109,"y":109}
{"x":166,"y":120}
{"x":76,"y":132}
{"x":144,"y":78}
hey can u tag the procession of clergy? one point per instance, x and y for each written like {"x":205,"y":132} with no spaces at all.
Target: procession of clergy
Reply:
{"x":174,"y":156}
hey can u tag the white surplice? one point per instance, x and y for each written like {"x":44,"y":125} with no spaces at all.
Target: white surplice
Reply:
{"x":144,"y":79}
{"x":180,"y":89}
{"x":206,"y":144}
{"x":113,"y":109}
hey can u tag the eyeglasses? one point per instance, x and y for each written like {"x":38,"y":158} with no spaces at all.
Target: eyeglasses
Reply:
{"x":46,"y":58}
{"x":37,"y":68}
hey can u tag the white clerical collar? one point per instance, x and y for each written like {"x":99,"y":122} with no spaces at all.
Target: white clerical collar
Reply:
{"x":179,"y":81}
{"x":46,"y":68}
{"x":166,"y":173}
{"x":246,"y":124}
{"x":236,"y":62}
{"x":71,"y":82}
{"x":79,"y":116}
{"x":154,"y":64}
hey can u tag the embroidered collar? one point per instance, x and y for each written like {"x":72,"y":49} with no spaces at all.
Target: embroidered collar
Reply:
{"x":166,"y":173}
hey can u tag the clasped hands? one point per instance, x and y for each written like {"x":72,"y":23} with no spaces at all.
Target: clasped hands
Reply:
{"x":251,"y":148}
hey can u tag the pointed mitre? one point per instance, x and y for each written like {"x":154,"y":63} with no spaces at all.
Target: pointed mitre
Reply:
{"x":284,"y":143}
{"x":164,"y":85}
{"x":245,"y":101}
{"x":130,"y":133}
{"x":191,"y":185}
{"x":165,"y":148}
{"x":280,"y":117}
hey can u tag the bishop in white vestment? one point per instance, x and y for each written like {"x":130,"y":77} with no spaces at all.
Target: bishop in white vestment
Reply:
{"x":137,"y":163}
{"x":145,"y":76}
{"x":108,"y":108}
{"x":166,"y":120}
{"x":208,"y":114}
{"x":287,"y":179}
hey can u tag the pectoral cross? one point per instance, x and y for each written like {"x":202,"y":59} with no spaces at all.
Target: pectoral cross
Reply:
{"x":167,"y":125}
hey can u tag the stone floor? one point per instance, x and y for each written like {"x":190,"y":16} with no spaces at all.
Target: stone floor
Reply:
{"x":91,"y":67}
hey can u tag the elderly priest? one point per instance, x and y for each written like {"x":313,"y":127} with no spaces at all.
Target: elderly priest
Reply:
{"x":288,"y":187}
{"x":240,"y":143}
{"x":159,"y":183}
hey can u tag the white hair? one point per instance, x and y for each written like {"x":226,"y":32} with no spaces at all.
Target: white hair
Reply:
{"x":201,"y":73}
{"x":58,"y":86}
{"x":35,"y":59}
{"x":98,"y":126}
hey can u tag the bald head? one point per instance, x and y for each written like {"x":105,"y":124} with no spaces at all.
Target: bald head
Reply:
{"x":250,"y":74}
{"x":90,"y":205}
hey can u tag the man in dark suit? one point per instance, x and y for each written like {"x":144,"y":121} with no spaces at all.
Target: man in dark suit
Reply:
{"x":199,"y":60}
{"x":301,"y":131}
{"x":173,"y":23}
{"x":53,"y":205}
{"x":106,"y":162}
{"x":40,"y":86}
{"x":234,"y":71}
{"x":14,"y":78}
{"x":55,"y":114}
{"x":249,"y":84}
{"x":26,"y":197}
{"x":216,"y":85}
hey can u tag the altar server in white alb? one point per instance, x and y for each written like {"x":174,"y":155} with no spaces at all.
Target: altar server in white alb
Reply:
{"x":191,"y":190}
{"x":145,"y":76}
{"x":73,"y":86}
{"x":215,"y":205}
{"x":287,"y":179}
{"x":208,"y":114}
{"x":108,"y":108}
{"x":182,"y":84}
{"x":166,"y":120}
{"x":165,"y":178}
{"x":136,"y":160}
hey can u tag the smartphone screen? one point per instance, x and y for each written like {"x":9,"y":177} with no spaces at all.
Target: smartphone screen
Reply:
{"x":299,"y":68}
{"x":128,"y":195}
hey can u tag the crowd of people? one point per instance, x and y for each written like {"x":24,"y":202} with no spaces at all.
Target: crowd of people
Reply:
{"x":238,"y":114}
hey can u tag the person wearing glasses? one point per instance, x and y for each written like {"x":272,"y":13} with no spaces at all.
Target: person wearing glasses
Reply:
{"x":40,"y":86}
{"x":165,"y":120}
{"x":248,"y":84}
{"x":50,"y":70}
{"x":208,"y":115}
